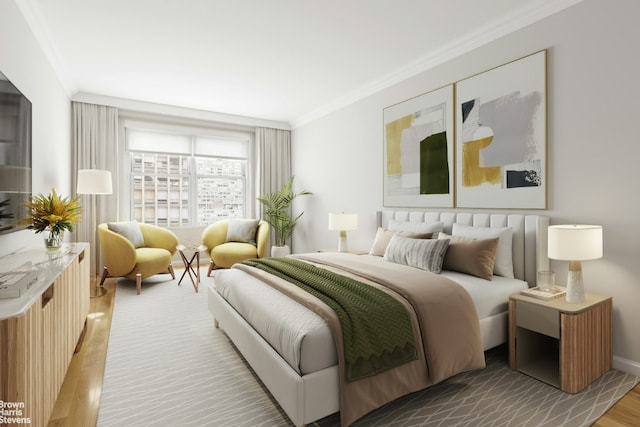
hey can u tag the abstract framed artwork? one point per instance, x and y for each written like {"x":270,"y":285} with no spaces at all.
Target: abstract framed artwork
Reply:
{"x":418,"y":151}
{"x":501,"y":136}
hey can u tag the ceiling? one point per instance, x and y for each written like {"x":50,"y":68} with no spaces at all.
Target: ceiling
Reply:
{"x":283,"y":60}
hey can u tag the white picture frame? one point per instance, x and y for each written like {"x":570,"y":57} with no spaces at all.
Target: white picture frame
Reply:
{"x":501,"y":136}
{"x":418,"y":155}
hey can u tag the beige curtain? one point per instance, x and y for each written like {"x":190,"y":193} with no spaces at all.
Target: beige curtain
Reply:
{"x":273,"y":157}
{"x":95,"y":142}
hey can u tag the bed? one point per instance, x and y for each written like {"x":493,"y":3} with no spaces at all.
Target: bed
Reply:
{"x":295,"y":356}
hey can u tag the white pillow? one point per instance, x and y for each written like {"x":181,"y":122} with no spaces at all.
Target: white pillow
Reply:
{"x":416,"y":227}
{"x":129,"y":230}
{"x":504,"y":254}
{"x":242,"y":230}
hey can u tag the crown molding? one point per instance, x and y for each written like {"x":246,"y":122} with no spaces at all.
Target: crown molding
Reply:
{"x":137,"y":106}
{"x":40,"y":30}
{"x":507,"y":24}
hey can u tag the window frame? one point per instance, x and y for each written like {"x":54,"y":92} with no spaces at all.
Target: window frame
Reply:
{"x":194,"y":131}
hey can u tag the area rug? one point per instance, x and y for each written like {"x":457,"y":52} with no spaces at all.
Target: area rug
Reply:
{"x":168,"y":366}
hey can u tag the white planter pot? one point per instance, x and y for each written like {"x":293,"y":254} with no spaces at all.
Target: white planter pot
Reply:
{"x":278,"y":251}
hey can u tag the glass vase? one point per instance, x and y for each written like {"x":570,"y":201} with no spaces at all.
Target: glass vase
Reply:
{"x":52,"y":240}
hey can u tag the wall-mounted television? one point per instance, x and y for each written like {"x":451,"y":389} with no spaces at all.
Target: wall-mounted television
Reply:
{"x":15,"y":156}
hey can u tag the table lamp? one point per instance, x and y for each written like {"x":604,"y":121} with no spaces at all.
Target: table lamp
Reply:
{"x":575,"y":243}
{"x":343,"y":222}
{"x":93,"y":182}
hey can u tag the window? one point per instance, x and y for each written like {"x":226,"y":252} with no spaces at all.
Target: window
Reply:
{"x":181,"y":178}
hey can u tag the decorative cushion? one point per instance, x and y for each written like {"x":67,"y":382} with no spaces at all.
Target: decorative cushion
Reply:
{"x":425,"y":254}
{"x":504,"y":255}
{"x":242,"y":230}
{"x":383,"y":237}
{"x":416,"y":227}
{"x":471,"y":256}
{"x":129,"y":230}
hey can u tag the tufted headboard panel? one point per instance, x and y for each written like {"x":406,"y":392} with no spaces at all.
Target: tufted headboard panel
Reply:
{"x":529,"y":234}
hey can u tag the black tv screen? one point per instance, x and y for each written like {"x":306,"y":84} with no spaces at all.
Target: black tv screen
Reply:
{"x":15,"y":156}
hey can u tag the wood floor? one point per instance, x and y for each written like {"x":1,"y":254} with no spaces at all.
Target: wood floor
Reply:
{"x":79,"y":398}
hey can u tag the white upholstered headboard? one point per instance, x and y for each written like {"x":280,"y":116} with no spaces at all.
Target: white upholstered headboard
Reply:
{"x":529,"y":234}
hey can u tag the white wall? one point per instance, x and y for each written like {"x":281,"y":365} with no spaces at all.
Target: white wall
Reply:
{"x":593,"y":148}
{"x":23,"y":62}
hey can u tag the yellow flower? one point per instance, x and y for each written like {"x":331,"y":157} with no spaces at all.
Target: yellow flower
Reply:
{"x":52,"y":212}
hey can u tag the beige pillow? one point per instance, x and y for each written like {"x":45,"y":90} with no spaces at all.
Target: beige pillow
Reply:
{"x":383,"y":237}
{"x":470,"y":256}
{"x":504,"y":256}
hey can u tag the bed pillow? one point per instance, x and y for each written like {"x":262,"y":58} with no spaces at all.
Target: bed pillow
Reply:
{"x":470,"y":256}
{"x":416,"y":227}
{"x":242,"y":230}
{"x":425,"y":254}
{"x":504,"y":255}
{"x":129,"y":230}
{"x":383,"y":237}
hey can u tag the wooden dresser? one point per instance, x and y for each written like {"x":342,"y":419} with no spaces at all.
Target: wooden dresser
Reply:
{"x":39,"y":330}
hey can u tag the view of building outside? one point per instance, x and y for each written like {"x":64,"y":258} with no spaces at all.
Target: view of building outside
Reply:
{"x":221,"y":188}
{"x":162,"y":194}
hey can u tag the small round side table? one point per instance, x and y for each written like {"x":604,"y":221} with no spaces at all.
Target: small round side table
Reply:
{"x":189,"y":253}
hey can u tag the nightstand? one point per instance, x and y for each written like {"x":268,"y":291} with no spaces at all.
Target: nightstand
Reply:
{"x":565,"y":345}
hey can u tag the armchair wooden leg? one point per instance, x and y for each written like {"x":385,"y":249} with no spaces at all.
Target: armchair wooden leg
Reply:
{"x":105,"y":274}
{"x":173,"y":275}
{"x":211,"y":267}
{"x":138,"y":283}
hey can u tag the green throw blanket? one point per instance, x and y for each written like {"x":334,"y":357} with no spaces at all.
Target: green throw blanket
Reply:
{"x":376,"y":328}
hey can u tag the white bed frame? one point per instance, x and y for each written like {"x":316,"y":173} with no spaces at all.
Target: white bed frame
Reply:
{"x":308,"y":398}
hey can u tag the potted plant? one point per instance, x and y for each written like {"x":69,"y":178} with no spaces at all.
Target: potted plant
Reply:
{"x":52,"y":215}
{"x":278,"y":214}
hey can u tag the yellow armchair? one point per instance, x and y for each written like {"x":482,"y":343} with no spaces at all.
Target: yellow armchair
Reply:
{"x":224,"y":254}
{"x":151,"y":254}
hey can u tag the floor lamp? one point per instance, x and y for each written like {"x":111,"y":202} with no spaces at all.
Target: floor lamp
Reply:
{"x":94,"y":182}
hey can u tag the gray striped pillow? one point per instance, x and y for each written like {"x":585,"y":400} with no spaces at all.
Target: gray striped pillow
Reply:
{"x":426,"y":254}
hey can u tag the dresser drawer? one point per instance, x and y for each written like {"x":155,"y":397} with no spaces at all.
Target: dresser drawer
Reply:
{"x":537,"y":318}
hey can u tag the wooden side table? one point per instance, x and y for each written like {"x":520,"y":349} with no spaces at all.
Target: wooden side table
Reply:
{"x":565,"y":345}
{"x":189,"y":253}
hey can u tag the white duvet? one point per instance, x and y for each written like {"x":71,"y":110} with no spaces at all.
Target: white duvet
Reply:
{"x":303,"y":338}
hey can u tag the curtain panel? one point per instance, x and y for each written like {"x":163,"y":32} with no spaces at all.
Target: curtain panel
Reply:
{"x":273,"y":159}
{"x":95,"y":146}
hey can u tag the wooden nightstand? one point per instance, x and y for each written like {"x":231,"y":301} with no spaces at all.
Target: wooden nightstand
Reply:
{"x":565,"y":345}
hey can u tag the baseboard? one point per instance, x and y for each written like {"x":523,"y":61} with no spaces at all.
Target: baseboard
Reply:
{"x":625,"y":365}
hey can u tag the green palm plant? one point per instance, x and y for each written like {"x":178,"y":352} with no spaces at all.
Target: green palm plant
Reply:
{"x":278,"y":210}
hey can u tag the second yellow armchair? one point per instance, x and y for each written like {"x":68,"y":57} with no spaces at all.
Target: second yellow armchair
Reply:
{"x":225,"y":253}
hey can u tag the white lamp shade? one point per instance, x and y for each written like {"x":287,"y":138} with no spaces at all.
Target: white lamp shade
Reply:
{"x":574,"y":242}
{"x":94,"y":181}
{"x":343,"y":221}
